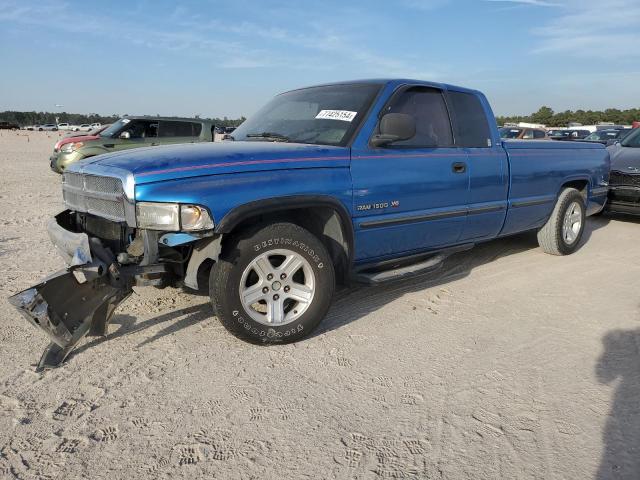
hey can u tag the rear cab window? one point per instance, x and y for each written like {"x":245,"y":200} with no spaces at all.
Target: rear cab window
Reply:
{"x":470,"y":121}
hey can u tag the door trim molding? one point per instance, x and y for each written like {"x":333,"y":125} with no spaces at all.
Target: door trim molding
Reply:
{"x":430,"y":216}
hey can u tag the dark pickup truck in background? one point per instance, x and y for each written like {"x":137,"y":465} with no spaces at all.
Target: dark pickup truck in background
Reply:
{"x":361,"y":181}
{"x":624,"y":184}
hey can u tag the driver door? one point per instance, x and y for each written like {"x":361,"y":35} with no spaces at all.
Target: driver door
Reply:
{"x":412,"y":195}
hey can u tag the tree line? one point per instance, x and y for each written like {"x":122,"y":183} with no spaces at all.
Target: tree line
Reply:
{"x":40,"y":118}
{"x":548,"y":117}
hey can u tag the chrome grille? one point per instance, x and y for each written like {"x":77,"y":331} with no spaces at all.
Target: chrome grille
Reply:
{"x":73,"y":180}
{"x":72,"y":200}
{"x":97,"y":195}
{"x":105,"y":208}
{"x":103,"y":184}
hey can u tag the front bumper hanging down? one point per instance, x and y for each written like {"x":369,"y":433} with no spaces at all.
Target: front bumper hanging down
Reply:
{"x":67,"y":310}
{"x":81,"y":299}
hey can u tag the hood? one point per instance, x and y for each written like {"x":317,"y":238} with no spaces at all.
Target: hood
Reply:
{"x":624,"y":159}
{"x":154,"y":164}
{"x":78,"y":138}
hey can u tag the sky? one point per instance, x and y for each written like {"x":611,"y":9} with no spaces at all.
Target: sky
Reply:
{"x":227,"y":58}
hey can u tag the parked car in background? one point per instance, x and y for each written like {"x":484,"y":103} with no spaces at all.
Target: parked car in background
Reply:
{"x":76,"y":137}
{"x":48,"y":127}
{"x":95,"y":125}
{"x":571,"y":134}
{"x":8,"y":125}
{"x":607,"y":137}
{"x":624,"y":180}
{"x":369,"y":181}
{"x":95,"y":131}
{"x":133,"y":132}
{"x":65,"y":126}
{"x":521,"y":133}
{"x":85,"y":127}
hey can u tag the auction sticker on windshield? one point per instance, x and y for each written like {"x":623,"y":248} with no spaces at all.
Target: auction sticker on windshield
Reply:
{"x":344,"y":115}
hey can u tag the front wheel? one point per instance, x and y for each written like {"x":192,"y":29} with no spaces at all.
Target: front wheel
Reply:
{"x":562,"y":233}
{"x":273,"y":285}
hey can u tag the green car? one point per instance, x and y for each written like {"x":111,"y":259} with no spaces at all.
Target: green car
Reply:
{"x":130,"y":132}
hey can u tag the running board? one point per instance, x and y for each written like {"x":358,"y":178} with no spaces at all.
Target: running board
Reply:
{"x":402,"y":268}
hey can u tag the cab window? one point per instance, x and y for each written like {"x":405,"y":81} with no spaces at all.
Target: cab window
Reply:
{"x":142,"y":129}
{"x":427,"y":106}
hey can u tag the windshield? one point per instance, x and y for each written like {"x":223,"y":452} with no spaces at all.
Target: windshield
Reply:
{"x":632,"y":140}
{"x":114,"y":128}
{"x":510,"y":132}
{"x":326,"y":115}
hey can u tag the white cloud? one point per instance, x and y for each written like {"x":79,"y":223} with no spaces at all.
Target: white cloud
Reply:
{"x":289,"y":38}
{"x":591,"y":28}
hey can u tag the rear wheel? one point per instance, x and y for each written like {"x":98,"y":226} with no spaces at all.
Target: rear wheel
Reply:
{"x":562,"y":233}
{"x":273,"y":285}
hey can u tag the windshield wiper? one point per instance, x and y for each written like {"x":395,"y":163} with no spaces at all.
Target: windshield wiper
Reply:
{"x":276,"y":137}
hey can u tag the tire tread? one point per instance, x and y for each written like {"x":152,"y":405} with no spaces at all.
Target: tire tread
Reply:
{"x":550,"y":235}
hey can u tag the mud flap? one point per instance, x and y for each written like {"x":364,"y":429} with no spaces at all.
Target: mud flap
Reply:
{"x":67,"y":310}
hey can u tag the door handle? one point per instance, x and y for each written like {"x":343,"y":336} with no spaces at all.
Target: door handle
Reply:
{"x":459,"y":167}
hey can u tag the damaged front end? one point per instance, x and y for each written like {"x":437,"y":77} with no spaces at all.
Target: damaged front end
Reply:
{"x":81,"y":299}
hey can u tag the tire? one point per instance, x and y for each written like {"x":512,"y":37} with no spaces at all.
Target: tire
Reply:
{"x":254,"y":263}
{"x":562,"y":233}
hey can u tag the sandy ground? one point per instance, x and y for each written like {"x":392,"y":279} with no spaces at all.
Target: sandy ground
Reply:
{"x":510,"y":364}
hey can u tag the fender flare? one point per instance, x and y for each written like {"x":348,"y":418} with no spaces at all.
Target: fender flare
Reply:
{"x":574,"y":179}
{"x":292,"y":202}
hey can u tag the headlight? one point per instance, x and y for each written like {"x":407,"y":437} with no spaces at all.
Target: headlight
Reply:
{"x":194,"y":217}
{"x":172,"y":217}
{"x":70,"y":147}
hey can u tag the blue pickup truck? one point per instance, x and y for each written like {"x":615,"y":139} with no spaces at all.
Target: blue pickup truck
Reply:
{"x":366,"y":181}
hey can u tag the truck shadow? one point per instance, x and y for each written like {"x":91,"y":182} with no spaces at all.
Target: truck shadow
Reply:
{"x":357,"y":302}
{"x":621,"y":217}
{"x":128,"y":325}
{"x":593,"y":224}
{"x":621,"y":436}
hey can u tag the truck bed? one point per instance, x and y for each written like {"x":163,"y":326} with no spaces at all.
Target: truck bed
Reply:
{"x":538,"y":170}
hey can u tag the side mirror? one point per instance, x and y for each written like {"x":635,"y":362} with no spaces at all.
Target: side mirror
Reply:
{"x":125,"y":135}
{"x":395,"y":127}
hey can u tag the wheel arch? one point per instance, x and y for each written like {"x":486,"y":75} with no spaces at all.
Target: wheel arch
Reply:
{"x":579,"y":183}
{"x":324,"y":216}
